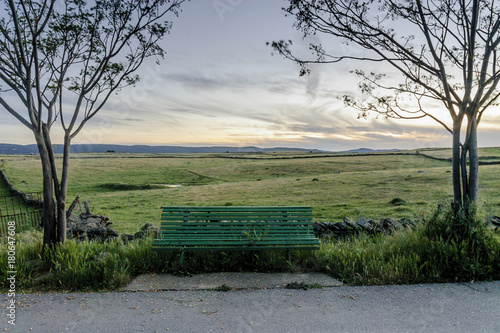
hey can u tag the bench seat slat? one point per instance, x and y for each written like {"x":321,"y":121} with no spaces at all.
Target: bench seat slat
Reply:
{"x":236,"y":235}
{"x":178,"y":244}
{"x":221,"y":247}
{"x":209,"y":211}
{"x":237,"y":248}
{"x":236,"y":214}
{"x":229,"y":225}
{"x":235,"y":229}
{"x":218,"y":210}
{"x":181,"y":235}
{"x":209,"y":233}
{"x":236,"y":208}
{"x":192,"y":241}
{"x":237,"y":219}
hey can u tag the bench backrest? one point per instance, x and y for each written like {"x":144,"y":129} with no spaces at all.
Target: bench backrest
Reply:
{"x":276,"y":214}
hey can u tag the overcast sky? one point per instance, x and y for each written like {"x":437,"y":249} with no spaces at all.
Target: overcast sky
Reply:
{"x":220,"y":85}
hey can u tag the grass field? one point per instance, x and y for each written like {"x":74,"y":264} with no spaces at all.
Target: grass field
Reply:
{"x":4,"y":191}
{"x":131,"y":188}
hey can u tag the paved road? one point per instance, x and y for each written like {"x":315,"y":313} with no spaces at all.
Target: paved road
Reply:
{"x":422,"y":308}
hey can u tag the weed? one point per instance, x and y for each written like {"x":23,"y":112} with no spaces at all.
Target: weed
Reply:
{"x":302,"y":285}
{"x":223,"y":288}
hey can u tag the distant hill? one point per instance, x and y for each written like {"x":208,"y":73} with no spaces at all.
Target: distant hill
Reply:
{"x":368,"y":150}
{"x":9,"y":149}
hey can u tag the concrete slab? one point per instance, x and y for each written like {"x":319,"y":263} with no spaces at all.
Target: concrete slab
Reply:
{"x":210,"y":281}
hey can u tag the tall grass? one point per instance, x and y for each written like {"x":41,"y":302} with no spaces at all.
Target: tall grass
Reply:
{"x":77,"y":266}
{"x":449,"y":247}
{"x":97,"y":266}
{"x":379,"y":259}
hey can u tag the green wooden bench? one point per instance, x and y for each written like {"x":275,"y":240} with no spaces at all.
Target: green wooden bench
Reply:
{"x":236,"y":228}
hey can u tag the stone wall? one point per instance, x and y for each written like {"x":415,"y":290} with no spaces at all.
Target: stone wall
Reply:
{"x":349,"y":227}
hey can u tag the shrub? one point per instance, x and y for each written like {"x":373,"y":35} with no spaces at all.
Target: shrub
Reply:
{"x":461,"y":245}
{"x":449,"y":247}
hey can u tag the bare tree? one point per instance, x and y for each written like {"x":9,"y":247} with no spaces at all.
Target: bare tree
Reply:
{"x":445,"y":51}
{"x":60,"y":61}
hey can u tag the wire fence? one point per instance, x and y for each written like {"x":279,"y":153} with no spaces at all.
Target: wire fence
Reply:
{"x":15,"y":208}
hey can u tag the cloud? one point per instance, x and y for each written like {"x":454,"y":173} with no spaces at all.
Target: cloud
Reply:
{"x":315,"y":129}
{"x":202,"y":81}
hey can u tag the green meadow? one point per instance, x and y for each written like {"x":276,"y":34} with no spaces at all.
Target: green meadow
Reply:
{"x":131,"y":188}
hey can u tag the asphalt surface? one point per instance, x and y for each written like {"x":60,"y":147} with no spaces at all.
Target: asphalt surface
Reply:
{"x":467,"y":307}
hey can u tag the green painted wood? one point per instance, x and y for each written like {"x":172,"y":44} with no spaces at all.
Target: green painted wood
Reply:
{"x":207,"y":228}
{"x":249,"y":245}
{"x":235,"y":208}
{"x":234,"y":216}
{"x":237,"y":247}
{"x":236,"y":228}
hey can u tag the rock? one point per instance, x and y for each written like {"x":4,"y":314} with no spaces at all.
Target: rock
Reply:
{"x":348,"y":227}
{"x":80,"y":227}
{"x":91,"y":220}
{"x":494,"y":222}
{"x":319,"y":228}
{"x":148,"y":226}
{"x":86,"y":225}
{"x":126,"y":238}
{"x":113,"y":233}
{"x":366,"y":224}
{"x":90,"y":227}
{"x":81,"y":236}
{"x":407,"y":223}
{"x":350,"y":223}
{"x":340,"y":226}
{"x":389,"y":224}
{"x":328,"y":229}
{"x":147,"y":229}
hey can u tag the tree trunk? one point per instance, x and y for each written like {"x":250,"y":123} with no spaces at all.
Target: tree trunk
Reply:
{"x":61,"y":199}
{"x":465,"y":172}
{"x":473,"y":162}
{"x":456,"y":164}
{"x":49,"y":209}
